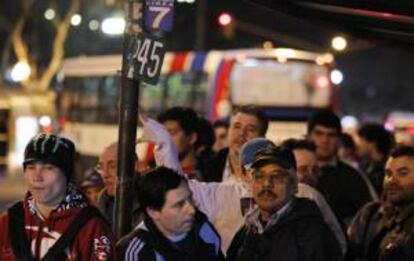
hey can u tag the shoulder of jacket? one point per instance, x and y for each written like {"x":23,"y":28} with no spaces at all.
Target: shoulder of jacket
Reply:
{"x":134,"y":247}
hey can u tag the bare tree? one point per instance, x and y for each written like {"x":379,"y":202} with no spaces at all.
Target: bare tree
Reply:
{"x":61,"y":23}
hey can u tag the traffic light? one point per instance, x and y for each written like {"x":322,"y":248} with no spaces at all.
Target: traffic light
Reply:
{"x":226,"y":23}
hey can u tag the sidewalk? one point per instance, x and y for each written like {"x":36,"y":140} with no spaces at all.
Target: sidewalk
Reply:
{"x":11,"y":190}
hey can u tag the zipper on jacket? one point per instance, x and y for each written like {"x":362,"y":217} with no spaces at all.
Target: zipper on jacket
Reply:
{"x":38,"y":241}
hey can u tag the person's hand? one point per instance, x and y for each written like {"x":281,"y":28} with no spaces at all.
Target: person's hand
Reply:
{"x":165,"y":152}
{"x":154,"y":132}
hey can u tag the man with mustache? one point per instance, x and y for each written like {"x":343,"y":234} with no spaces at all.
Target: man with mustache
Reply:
{"x":282,"y":226}
{"x":384,"y":231}
{"x":221,"y":202}
{"x":172,"y":228}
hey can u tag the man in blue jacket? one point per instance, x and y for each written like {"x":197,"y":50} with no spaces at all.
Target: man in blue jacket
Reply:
{"x":172,"y":228}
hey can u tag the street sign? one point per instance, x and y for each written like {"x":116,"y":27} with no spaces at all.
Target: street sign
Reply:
{"x":158,"y":15}
{"x":145,"y":58}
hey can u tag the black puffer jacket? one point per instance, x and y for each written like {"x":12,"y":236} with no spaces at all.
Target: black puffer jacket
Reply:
{"x":299,"y":235}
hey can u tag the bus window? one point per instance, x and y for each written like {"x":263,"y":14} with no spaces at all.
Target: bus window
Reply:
{"x":177,"y":89}
{"x":90,"y":99}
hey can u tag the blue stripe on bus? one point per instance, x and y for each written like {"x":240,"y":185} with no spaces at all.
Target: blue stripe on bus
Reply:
{"x":197,"y":64}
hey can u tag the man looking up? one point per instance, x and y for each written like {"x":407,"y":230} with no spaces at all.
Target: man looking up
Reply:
{"x":222,"y":202}
{"x":247,"y":122}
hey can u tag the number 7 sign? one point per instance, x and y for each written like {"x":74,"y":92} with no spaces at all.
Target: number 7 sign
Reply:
{"x":158,"y":15}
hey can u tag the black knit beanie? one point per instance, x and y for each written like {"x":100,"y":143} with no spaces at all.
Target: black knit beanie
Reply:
{"x":52,"y":149}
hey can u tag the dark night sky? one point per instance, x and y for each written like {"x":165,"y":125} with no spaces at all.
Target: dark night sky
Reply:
{"x":377,"y":79}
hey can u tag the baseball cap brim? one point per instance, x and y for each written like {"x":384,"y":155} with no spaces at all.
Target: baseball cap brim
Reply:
{"x":268,"y":159}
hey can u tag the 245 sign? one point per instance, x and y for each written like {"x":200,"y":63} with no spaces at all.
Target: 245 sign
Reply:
{"x":145,"y":58}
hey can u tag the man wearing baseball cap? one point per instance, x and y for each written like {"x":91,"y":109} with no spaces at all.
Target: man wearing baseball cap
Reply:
{"x":282,"y":226}
{"x":54,"y":221}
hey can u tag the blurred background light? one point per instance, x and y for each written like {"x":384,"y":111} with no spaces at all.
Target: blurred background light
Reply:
{"x":21,"y":71}
{"x":224,"y":19}
{"x":113,"y":26}
{"x":93,"y":25}
{"x":45,"y":121}
{"x":349,"y":122}
{"x":339,"y":43}
{"x":50,"y":14}
{"x":337,"y":77}
{"x":76,"y":20}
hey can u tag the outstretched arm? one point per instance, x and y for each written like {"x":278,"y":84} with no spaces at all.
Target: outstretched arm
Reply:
{"x":165,"y":151}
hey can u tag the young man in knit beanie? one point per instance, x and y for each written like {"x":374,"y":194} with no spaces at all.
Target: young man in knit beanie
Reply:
{"x":54,"y":221}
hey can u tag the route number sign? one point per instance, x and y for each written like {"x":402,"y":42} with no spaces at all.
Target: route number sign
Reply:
{"x":158,"y":15}
{"x":145,"y":58}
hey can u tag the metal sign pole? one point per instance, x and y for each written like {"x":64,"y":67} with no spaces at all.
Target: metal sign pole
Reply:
{"x":142,"y":61}
{"x":128,"y":116}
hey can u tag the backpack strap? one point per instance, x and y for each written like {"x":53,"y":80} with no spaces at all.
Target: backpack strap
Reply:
{"x":57,"y":250}
{"x":19,"y":242}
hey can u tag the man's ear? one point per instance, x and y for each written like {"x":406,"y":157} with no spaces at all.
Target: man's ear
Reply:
{"x":153,"y":213}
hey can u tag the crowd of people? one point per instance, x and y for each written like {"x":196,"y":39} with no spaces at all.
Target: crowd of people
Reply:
{"x":222,"y":191}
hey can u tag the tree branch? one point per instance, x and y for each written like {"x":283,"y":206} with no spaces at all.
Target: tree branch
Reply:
{"x":58,"y":46}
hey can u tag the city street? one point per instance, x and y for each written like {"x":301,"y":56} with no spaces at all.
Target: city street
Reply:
{"x":11,"y":190}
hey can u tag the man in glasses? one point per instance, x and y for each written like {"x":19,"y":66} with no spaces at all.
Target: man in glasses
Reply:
{"x":282,"y":226}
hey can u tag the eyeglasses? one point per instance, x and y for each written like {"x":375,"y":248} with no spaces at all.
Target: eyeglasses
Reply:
{"x":110,"y":167}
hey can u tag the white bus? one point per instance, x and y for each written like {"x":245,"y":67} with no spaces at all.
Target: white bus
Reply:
{"x":289,"y":84}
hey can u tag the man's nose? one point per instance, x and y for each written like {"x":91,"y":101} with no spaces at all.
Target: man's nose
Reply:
{"x":38,"y":176}
{"x":190,"y":208}
{"x":389,"y":179}
{"x":267,"y":182}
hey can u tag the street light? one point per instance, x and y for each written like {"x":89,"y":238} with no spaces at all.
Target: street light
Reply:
{"x":50,"y":14}
{"x":339,"y":43}
{"x":21,"y":71}
{"x":224,"y":19}
{"x":337,"y":77}
{"x":113,"y":26}
{"x":76,"y":20}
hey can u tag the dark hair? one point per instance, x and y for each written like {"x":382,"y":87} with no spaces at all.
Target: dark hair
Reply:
{"x":186,"y":117}
{"x":256,"y":112}
{"x":297,"y":144}
{"x":377,"y":134}
{"x":205,"y":134}
{"x":220,"y":123}
{"x":402,"y":151}
{"x":154,"y":185}
{"x":326,"y":118}
{"x":347,"y":141}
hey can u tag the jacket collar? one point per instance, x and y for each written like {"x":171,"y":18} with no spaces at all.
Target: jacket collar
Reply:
{"x":73,"y":199}
{"x":253,"y":218}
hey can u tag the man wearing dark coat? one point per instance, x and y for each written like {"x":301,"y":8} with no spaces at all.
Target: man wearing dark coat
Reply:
{"x":282,"y":227}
